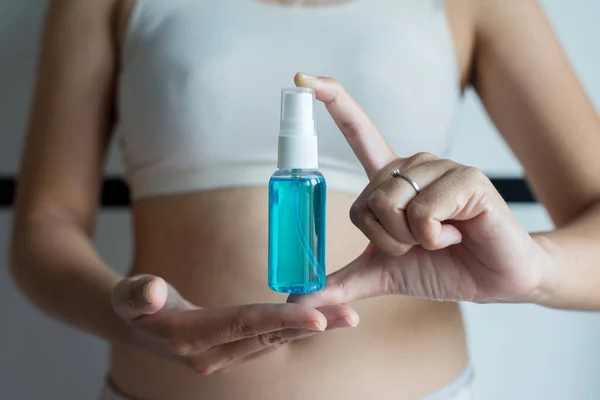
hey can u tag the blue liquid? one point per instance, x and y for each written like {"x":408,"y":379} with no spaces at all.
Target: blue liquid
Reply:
{"x":297,"y":231}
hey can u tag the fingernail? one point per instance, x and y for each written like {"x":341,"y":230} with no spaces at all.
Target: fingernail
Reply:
{"x":353,"y":320}
{"x":345,"y":322}
{"x":304,"y":75}
{"x":306,"y":80}
{"x":322,"y":325}
{"x":141,"y":294}
{"x":340,"y":323}
{"x":455,"y":240}
{"x":318,"y":326}
{"x":449,"y":237}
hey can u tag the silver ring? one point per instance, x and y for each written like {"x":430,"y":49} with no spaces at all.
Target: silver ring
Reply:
{"x":397,"y":174}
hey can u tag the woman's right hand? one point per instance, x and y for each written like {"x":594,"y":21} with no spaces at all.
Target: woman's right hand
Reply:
{"x":211,"y":340}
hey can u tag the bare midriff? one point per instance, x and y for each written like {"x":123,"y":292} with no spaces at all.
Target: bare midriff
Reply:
{"x":212,"y":246}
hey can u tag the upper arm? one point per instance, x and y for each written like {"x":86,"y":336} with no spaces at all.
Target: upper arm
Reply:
{"x":533,"y":96}
{"x":72,"y":114}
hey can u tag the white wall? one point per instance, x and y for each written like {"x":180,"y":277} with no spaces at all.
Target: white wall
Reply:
{"x":520,"y":352}
{"x":528,"y":352}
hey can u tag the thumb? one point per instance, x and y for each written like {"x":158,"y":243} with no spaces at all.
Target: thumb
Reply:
{"x":363,"y":278}
{"x":139,"y":295}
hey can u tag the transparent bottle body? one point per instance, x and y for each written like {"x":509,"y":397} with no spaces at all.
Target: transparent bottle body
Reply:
{"x":297,"y":200}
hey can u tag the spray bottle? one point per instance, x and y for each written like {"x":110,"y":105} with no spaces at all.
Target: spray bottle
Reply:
{"x":297,"y":197}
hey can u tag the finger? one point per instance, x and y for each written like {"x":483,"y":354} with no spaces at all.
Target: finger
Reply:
{"x":365,"y":220}
{"x":392,"y":218}
{"x":250,"y":357}
{"x":378,"y":210}
{"x":340,"y":316}
{"x":362,"y":135}
{"x":363,"y":278}
{"x":455,"y":196}
{"x":223,"y":325}
{"x":228,"y":355}
{"x":390,"y":200}
{"x":139,"y":295}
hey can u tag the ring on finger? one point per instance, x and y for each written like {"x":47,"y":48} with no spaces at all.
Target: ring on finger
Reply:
{"x":397,"y":174}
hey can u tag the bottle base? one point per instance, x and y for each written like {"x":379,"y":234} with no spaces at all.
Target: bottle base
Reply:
{"x":296,"y":288}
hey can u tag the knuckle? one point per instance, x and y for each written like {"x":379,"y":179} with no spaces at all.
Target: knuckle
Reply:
{"x":428,"y":243}
{"x":444,"y":164}
{"x":334,"y":83}
{"x":219,"y":334}
{"x":474,"y":174}
{"x":270,"y":340}
{"x":448,"y":162}
{"x":337,"y":88}
{"x":204,"y":368}
{"x":379,"y":203}
{"x":180,"y":347}
{"x":172,"y":338}
{"x":338,"y":288}
{"x":478,"y":184}
{"x":240,"y":326}
{"x":417,"y":211}
{"x":357,"y":214}
{"x":351,"y":127}
{"x":422,"y":157}
{"x":425,"y":238}
{"x":263,"y":340}
{"x":418,"y":215}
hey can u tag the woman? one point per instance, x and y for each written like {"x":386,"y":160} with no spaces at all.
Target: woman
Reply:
{"x":190,"y":89}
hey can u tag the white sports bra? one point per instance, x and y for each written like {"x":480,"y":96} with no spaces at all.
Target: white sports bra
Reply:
{"x":200,"y":84}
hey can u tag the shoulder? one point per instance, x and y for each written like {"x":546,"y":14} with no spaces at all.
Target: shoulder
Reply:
{"x":83,"y":5}
{"x":85,"y":13}
{"x":99,"y":8}
{"x":479,"y":25}
{"x":89,"y":20}
{"x":493,"y":18}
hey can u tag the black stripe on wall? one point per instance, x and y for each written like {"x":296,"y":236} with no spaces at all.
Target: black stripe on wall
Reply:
{"x":115,"y":193}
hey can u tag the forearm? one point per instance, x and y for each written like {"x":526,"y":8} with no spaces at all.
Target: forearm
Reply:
{"x":56,"y":266}
{"x":573,"y":274}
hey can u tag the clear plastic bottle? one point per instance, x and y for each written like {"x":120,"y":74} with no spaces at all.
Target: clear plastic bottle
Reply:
{"x":297,"y":200}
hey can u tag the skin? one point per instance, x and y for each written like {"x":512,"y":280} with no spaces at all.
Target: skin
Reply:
{"x":205,"y":326}
{"x":453,"y":239}
{"x":146,"y":312}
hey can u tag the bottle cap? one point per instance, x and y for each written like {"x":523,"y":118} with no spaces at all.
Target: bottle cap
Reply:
{"x":298,"y":136}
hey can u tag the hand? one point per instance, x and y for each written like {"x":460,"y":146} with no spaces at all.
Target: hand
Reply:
{"x":456,"y":239}
{"x":210,"y":340}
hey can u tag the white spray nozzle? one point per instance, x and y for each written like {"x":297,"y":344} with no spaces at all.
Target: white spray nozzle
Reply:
{"x":297,"y":112}
{"x":298,"y":135}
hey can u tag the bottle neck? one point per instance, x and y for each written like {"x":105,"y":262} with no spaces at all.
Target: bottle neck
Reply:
{"x":297,"y":171}
{"x":298,"y":152}
{"x":286,"y":173}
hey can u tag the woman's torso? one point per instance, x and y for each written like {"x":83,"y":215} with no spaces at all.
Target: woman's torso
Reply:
{"x":198,"y":98}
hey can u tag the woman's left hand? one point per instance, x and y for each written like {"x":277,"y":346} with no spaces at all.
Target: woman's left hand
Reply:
{"x":455,"y":239}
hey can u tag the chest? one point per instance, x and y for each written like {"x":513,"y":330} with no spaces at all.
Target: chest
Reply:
{"x":205,"y":70}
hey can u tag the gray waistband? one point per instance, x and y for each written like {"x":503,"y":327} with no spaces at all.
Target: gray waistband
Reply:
{"x":459,"y":389}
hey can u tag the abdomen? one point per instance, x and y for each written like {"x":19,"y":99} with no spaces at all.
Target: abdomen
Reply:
{"x":212,"y":247}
